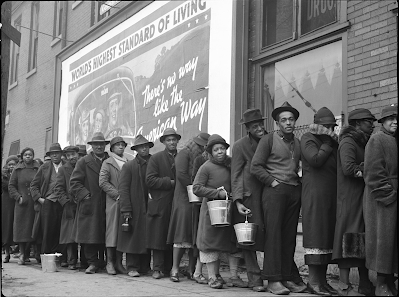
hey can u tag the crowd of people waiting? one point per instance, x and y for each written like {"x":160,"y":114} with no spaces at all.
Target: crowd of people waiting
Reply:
{"x":108,"y":205}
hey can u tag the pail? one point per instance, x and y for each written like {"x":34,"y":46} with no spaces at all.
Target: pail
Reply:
{"x":219,"y":212}
{"x":192,"y":197}
{"x":50,"y":262}
{"x":246,"y":233}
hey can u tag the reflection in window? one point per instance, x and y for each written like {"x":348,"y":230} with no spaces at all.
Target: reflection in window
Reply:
{"x":307,"y":81}
{"x":278,"y":21}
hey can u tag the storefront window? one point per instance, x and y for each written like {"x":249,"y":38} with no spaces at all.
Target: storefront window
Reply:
{"x":308,"y":81}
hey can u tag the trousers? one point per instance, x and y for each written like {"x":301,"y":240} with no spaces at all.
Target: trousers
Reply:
{"x":162,"y":260}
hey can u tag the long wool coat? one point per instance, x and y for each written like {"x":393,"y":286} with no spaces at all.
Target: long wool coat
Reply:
{"x":24,"y":214}
{"x":65,"y":198}
{"x":209,"y":177}
{"x":160,"y":171}
{"x":319,"y":191}
{"x":7,"y":210}
{"x":89,"y":224}
{"x":349,"y":188}
{"x":247,"y":187}
{"x":381,"y":203}
{"x":109,"y":182}
{"x":133,"y":198}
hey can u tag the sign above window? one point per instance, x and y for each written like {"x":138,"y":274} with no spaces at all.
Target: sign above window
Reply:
{"x":317,"y":13}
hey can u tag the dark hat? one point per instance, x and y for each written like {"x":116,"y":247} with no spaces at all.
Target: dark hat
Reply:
{"x":82,"y":149}
{"x":71,"y":148}
{"x":285,"y":107}
{"x":360,"y":114}
{"x":324,"y":116}
{"x":117,"y":139}
{"x":201,"y":139}
{"x":251,"y":115}
{"x":388,"y":111}
{"x":140,"y":140}
{"x":98,"y":137}
{"x":169,"y":132}
{"x":215,"y":139}
{"x":12,"y":157}
{"x":54,"y":147}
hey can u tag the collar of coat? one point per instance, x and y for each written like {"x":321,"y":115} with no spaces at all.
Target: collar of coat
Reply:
{"x":22,"y":165}
{"x":358,"y":136}
{"x":91,"y":159}
{"x":141,"y":160}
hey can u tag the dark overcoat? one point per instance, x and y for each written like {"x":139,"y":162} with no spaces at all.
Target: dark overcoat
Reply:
{"x":319,"y":191}
{"x":7,"y":210}
{"x":350,"y":188}
{"x":381,"y":203}
{"x":247,"y":188}
{"x":160,"y":171}
{"x":133,"y":198}
{"x":24,"y":214}
{"x":65,"y":198}
{"x":89,"y":224}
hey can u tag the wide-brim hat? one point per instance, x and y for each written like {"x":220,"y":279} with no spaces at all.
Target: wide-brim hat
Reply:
{"x":201,"y":139}
{"x":387,"y":112}
{"x":324,"y":116}
{"x":251,"y":115}
{"x":169,"y":132}
{"x":71,"y":148}
{"x":117,"y":139}
{"x":82,"y":149}
{"x":98,"y":137}
{"x":361,"y":114}
{"x":54,"y":148}
{"x":140,"y":140}
{"x":215,"y":139}
{"x":285,"y":107}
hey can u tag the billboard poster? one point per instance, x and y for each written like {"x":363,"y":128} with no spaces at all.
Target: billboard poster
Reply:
{"x":153,"y":74}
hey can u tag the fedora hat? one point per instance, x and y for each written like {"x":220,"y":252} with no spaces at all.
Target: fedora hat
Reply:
{"x":98,"y":137}
{"x":324,"y":116}
{"x":140,"y":140}
{"x":285,"y":107}
{"x":201,"y":139}
{"x":215,"y":139}
{"x":54,"y":147}
{"x":388,"y":111}
{"x":361,"y":114}
{"x":169,"y":132}
{"x":251,"y":115}
{"x":71,"y":148}
{"x":82,"y":149}
{"x":117,"y":139}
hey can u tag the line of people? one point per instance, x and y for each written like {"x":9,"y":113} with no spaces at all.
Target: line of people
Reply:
{"x":107,"y":203}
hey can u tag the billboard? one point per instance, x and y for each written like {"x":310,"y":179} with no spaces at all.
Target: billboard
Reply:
{"x":148,"y":73}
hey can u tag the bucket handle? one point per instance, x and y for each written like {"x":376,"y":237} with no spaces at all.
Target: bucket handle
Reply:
{"x":227,"y":197}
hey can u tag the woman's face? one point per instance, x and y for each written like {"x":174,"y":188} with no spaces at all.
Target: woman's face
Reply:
{"x":118,"y":148}
{"x":28,"y":157}
{"x":10,"y":165}
{"x":219,"y":152}
{"x":390,"y":124}
{"x":98,"y":122}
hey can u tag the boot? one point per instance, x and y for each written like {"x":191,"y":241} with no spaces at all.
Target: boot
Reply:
{"x":118,"y":263}
{"x":110,"y":259}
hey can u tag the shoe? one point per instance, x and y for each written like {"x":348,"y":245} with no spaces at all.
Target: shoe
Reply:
{"x":27,"y":260}
{"x":237,"y":282}
{"x":383,"y":290}
{"x":64,"y":264}
{"x":277,"y":288}
{"x":318,"y":290}
{"x":6,"y":259}
{"x":347,"y":290}
{"x":157,"y":274}
{"x":330,"y":289}
{"x":174,"y":277}
{"x":120,"y":269}
{"x":200,"y":279}
{"x":110,"y":268}
{"x":258,"y":289}
{"x":220,"y":279}
{"x":91,"y":269}
{"x":133,"y":273}
{"x":16,"y":256}
{"x":21,"y":260}
{"x":293,"y":287}
{"x":72,"y":267}
{"x":215,"y":283}
{"x":83,"y":266}
{"x":368,"y":291}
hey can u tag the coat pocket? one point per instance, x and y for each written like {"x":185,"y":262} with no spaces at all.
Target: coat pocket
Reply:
{"x":153,"y":207}
{"x":85,"y":207}
{"x":70,"y":210}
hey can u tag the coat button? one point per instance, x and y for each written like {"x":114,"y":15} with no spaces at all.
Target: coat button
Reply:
{"x":28,"y":194}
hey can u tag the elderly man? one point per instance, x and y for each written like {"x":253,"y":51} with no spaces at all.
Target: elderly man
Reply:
{"x":275,"y":164}
{"x":89,"y":224}
{"x":161,"y":175}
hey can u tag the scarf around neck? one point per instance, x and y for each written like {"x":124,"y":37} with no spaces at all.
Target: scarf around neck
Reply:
{"x":318,"y":129}
{"x":226,"y":162}
{"x":358,"y":136}
{"x":119,"y":160}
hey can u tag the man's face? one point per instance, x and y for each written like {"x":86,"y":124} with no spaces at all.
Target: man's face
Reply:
{"x":366,"y":125}
{"x":72,"y":157}
{"x":170,"y":143}
{"x":98,"y":122}
{"x":85,"y":130}
{"x":256,"y":129}
{"x":55,"y":157}
{"x":113,"y":111}
{"x":98,"y":148}
{"x":286,"y":122}
{"x":143,"y":150}
{"x":391,"y":123}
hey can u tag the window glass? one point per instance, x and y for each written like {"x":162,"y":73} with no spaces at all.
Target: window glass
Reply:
{"x":15,"y":55}
{"x":278,"y":19}
{"x":317,"y":13}
{"x":34,"y":36}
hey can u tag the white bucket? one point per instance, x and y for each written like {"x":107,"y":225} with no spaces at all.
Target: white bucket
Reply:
{"x":219,"y":212}
{"x":246,"y":233}
{"x":50,"y":262}
{"x":192,"y":197}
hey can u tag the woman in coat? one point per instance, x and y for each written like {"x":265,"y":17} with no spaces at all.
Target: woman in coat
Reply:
{"x":109,"y":183}
{"x":349,"y":227}
{"x":24,"y":212}
{"x":213,"y":182}
{"x":381,"y":202}
{"x":133,"y":203}
{"x":319,"y":149}
{"x":180,"y":226}
{"x":7,"y":207}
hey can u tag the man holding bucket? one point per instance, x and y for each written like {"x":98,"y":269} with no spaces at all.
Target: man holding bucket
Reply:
{"x":275,"y":164}
{"x":247,"y":192}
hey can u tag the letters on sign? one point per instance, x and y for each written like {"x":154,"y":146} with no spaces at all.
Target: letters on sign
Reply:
{"x":316,"y":14}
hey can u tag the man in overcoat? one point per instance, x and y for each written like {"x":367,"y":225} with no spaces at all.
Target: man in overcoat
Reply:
{"x":46,"y":227}
{"x":276,"y":164}
{"x":247,"y":191}
{"x":89,"y":224}
{"x":161,"y":175}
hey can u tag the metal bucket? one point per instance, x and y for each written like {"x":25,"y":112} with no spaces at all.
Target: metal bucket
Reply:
{"x":219,"y":212}
{"x":50,"y":262}
{"x":192,"y":197}
{"x":246,"y":233}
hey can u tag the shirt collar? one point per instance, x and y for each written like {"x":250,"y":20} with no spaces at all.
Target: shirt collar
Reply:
{"x":56,"y":167}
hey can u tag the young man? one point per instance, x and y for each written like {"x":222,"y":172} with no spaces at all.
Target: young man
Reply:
{"x":161,"y":175}
{"x":247,"y":191}
{"x":275,"y":164}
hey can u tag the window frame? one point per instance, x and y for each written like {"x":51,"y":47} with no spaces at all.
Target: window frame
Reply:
{"x":58,"y":19}
{"x":34,"y":36}
{"x":15,"y":55}
{"x":17,"y":144}
{"x":95,"y":13}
